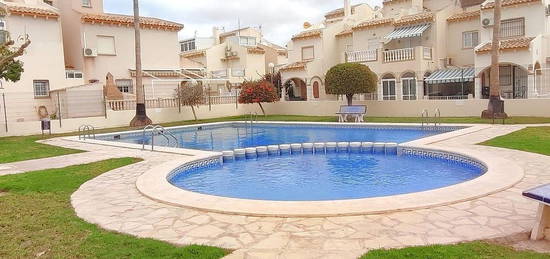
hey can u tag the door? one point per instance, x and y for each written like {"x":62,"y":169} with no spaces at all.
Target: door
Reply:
{"x":388,"y":89}
{"x":409,"y":88}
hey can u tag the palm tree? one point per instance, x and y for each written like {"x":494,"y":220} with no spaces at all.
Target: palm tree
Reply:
{"x":141,"y":118}
{"x":496,"y":104}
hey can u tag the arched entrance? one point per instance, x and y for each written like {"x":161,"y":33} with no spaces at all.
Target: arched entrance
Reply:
{"x":513,"y":81}
{"x":296,"y":90}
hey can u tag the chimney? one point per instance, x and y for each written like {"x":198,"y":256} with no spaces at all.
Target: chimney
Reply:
{"x":347,"y":8}
{"x":216,"y":35}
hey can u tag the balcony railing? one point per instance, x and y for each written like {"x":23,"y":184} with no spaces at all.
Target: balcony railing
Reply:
{"x":398,"y":55}
{"x":362,"y":56}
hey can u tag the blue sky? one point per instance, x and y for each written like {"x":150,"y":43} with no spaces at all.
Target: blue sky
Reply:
{"x":279,"y":19}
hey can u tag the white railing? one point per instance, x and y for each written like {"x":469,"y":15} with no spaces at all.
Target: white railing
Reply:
{"x":452,"y":97}
{"x":362,"y":56}
{"x":427,"y":53}
{"x":121,"y":105}
{"x":229,"y":99}
{"x":397,"y":55}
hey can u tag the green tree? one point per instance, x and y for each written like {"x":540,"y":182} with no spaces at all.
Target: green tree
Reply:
{"x":11,"y":68}
{"x":259,"y":92}
{"x":190,"y":95}
{"x":350,"y":79}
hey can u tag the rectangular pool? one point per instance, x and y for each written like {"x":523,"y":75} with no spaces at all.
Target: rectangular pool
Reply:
{"x":229,"y":136}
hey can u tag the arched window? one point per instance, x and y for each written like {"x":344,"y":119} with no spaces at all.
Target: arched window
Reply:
{"x":316,"y":90}
{"x":388,"y":87}
{"x":408,"y":81}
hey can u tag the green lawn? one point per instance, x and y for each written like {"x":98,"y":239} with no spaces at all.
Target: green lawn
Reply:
{"x":533,"y":139}
{"x":13,"y":149}
{"x":473,"y":250}
{"x":36,"y":217}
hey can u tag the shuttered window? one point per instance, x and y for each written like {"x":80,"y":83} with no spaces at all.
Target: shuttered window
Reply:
{"x":106,"y":45}
{"x":308,"y":53}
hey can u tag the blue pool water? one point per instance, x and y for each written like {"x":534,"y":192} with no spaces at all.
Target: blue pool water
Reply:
{"x":320,"y":177}
{"x":236,"y":135}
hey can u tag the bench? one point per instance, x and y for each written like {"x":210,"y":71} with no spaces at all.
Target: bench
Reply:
{"x":356,"y":111}
{"x":540,"y":194}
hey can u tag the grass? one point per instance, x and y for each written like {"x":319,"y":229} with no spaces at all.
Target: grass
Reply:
{"x":14,"y":149}
{"x":37,"y":219}
{"x":473,"y":250}
{"x":532,"y":139}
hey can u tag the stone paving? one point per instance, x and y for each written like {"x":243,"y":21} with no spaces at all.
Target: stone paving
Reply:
{"x":113,"y":202}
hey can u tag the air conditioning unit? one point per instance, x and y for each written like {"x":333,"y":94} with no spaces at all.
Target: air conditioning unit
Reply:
{"x":487,"y":22}
{"x":90,"y":52}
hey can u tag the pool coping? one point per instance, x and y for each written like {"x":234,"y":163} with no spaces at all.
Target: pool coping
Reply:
{"x":501,"y":175}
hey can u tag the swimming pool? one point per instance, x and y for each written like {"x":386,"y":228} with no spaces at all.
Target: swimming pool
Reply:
{"x":325,"y":176}
{"x":229,"y":136}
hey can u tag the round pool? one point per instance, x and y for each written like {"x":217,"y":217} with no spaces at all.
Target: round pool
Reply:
{"x":325,"y":177}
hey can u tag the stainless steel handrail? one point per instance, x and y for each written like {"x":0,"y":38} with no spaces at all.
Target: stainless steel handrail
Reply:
{"x":86,"y":131}
{"x":437,"y":117}
{"x":160,"y":131}
{"x":425,"y":118}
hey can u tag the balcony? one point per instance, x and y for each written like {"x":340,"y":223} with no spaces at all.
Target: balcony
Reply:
{"x":362,"y":56}
{"x":406,"y":54}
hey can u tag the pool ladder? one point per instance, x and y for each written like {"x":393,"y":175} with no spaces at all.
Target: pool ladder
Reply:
{"x":252,"y":118}
{"x":426,"y":119}
{"x":159,"y":130}
{"x":86,"y":132}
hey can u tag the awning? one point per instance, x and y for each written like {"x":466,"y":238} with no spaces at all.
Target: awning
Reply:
{"x":408,"y":31}
{"x":452,"y":75}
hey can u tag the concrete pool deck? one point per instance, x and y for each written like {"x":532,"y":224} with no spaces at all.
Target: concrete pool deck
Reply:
{"x":113,"y":202}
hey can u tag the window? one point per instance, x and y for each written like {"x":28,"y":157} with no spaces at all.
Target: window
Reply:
{"x":247,"y":41}
{"x":316,"y":90}
{"x":86,"y":3}
{"x":409,"y":88}
{"x":505,"y":75}
{"x":388,"y":89}
{"x":41,"y":88}
{"x":470,"y":39}
{"x":188,"y":45}
{"x":125,"y":85}
{"x":373,"y":44}
{"x":106,"y":45}
{"x":308,"y":53}
{"x":71,"y":74}
{"x":512,"y":28}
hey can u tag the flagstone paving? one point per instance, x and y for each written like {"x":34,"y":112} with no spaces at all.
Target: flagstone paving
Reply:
{"x":113,"y":202}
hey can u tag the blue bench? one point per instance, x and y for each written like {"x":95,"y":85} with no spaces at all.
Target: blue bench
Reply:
{"x":540,"y":194}
{"x":355,"y":111}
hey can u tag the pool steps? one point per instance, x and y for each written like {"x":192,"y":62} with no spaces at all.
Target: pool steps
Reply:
{"x":311,"y":148}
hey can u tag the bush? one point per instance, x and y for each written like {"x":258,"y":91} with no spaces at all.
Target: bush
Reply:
{"x":258,"y":92}
{"x":349,"y":79}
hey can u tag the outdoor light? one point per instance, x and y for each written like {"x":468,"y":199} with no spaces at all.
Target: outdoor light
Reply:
{"x":271,"y":65}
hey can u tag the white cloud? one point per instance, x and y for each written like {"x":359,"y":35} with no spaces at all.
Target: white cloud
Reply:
{"x":279,"y":19}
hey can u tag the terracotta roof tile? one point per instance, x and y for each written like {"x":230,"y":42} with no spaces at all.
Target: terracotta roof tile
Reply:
{"x":517,"y":43}
{"x":373,"y":23}
{"x":118,"y":19}
{"x":345,"y":33}
{"x":300,"y":65}
{"x":255,"y":50}
{"x":307,"y":35}
{"x":464,"y":16}
{"x":387,"y":2}
{"x":339,"y":12}
{"x":505,"y":3}
{"x":415,"y":18}
{"x":32,"y":11}
{"x":193,"y":54}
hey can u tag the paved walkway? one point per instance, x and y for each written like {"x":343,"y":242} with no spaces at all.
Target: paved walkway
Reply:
{"x":112,"y":201}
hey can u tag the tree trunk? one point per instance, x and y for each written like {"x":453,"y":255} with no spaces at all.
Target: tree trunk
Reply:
{"x":194,"y":113}
{"x":349,"y":97}
{"x":141,"y":118}
{"x":263,"y":111}
{"x":496,"y":104}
